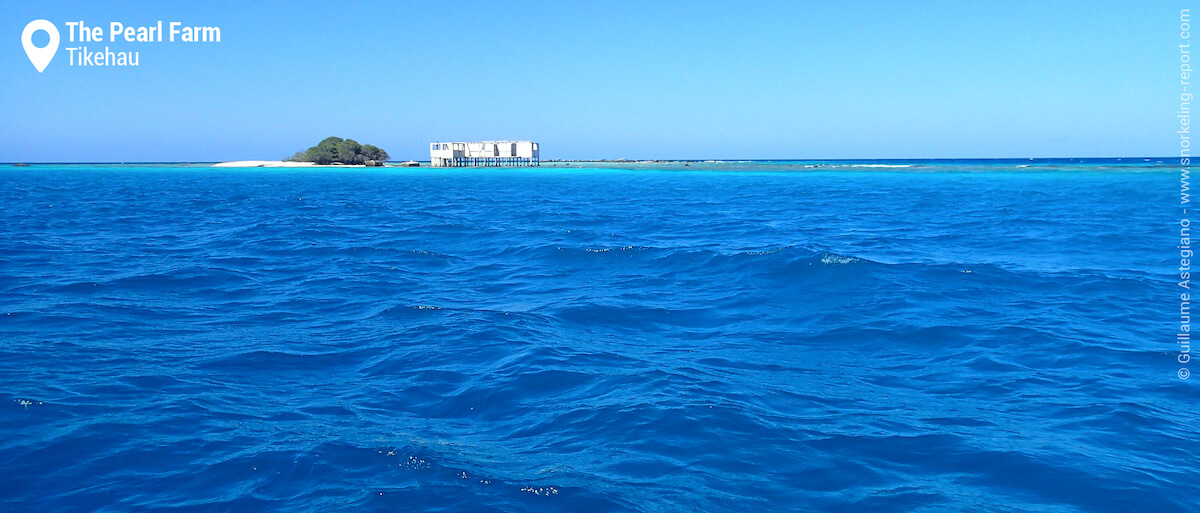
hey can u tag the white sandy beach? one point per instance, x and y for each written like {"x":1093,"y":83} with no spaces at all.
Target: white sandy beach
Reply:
{"x":277,"y":163}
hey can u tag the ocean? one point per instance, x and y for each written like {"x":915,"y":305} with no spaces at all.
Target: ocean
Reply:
{"x":882,"y":336}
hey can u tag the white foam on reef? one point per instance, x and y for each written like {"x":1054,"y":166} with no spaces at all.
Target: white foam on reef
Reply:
{"x":880,"y":165}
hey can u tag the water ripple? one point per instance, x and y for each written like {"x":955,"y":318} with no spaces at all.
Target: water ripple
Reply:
{"x":951,"y":338}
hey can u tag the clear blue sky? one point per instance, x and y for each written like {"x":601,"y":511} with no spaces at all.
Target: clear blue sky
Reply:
{"x":642,"y":79}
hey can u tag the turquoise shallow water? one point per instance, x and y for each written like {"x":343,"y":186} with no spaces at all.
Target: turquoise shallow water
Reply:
{"x":950,"y":336}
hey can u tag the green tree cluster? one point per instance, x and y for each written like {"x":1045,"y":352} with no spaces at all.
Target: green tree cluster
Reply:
{"x":345,"y":151}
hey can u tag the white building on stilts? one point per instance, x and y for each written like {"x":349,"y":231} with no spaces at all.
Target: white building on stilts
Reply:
{"x":484,"y":154}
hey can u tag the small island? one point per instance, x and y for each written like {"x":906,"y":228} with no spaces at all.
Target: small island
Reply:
{"x":332,"y":151}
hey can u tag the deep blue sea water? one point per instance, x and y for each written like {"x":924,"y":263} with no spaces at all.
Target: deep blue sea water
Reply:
{"x":985,"y":336}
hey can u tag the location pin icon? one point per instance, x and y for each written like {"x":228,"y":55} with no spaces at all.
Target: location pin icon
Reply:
{"x":40,"y":57}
